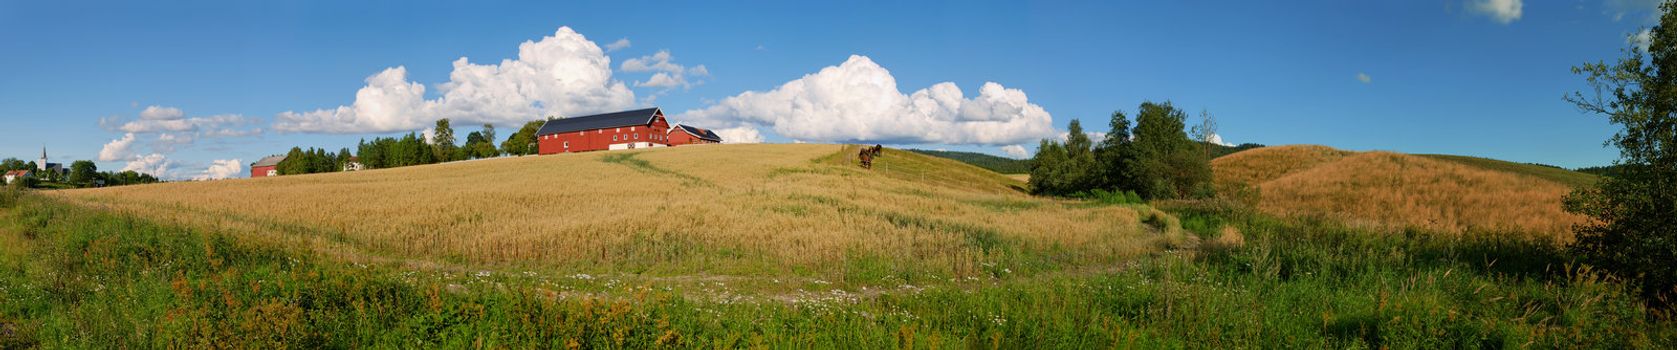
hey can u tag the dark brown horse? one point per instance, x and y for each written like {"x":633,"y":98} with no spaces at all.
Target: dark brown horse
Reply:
{"x":866,"y":156}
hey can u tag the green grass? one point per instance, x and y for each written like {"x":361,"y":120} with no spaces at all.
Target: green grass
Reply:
{"x":1556,"y":174}
{"x":641,"y":165}
{"x":77,"y":277}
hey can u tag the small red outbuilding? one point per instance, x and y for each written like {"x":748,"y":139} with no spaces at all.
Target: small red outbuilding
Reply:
{"x":266,"y":166}
{"x":687,"y":135}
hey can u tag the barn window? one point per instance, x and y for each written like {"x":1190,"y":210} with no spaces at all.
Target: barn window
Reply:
{"x":637,"y":136}
{"x":567,"y":144}
{"x":614,"y":137}
{"x":617,"y":130}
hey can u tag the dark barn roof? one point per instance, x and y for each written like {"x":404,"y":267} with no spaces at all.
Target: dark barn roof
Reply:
{"x":268,"y":161}
{"x":599,"y":121}
{"x":703,"y":134}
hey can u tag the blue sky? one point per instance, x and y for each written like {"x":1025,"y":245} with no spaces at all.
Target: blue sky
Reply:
{"x":1458,"y":77}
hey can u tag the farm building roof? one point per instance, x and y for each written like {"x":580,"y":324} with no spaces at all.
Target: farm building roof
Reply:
{"x":268,"y":161}
{"x":599,"y":121}
{"x":701,"y":133}
{"x":17,"y":173}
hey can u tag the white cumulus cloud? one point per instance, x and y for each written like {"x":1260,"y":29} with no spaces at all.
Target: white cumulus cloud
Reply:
{"x":1016,"y":151}
{"x":858,"y":101}
{"x":168,"y":142}
{"x":743,"y":134}
{"x":167,"y":129}
{"x":1641,"y":39}
{"x":162,"y":119}
{"x":618,"y":45}
{"x":1218,"y":139}
{"x":668,"y":74}
{"x":118,"y":149}
{"x":154,"y":164}
{"x":221,"y":169}
{"x":161,"y":113}
{"x":1502,"y":11}
{"x":564,"y":74}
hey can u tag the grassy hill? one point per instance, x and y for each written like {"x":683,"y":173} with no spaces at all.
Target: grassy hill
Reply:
{"x":1001,"y":165}
{"x":1546,"y":172}
{"x":1392,"y":190}
{"x":761,"y":246}
{"x":737,"y":209}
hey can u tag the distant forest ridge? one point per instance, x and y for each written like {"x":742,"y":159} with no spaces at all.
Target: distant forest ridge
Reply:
{"x":997,"y":164}
{"x":1005,"y":165}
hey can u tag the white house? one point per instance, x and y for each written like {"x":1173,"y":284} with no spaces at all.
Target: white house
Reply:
{"x":16,"y":175}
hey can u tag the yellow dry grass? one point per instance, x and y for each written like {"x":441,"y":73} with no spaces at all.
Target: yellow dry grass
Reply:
{"x":727,"y":209}
{"x":1258,"y":165}
{"x":1386,"y":190}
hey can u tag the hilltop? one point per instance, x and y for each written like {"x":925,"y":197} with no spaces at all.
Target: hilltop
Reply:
{"x":1547,"y":172}
{"x":1394,"y":190}
{"x":1001,"y":165}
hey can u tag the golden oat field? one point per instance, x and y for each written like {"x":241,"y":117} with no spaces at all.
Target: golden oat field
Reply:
{"x":715,"y":209}
{"x":1388,"y":190}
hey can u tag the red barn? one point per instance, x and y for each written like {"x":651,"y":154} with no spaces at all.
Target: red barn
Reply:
{"x":687,"y":135}
{"x":641,"y":128}
{"x":266,"y":166}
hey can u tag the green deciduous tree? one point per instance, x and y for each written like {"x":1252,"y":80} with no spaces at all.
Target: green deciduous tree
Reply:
{"x":83,"y":173}
{"x":14,"y":164}
{"x":1156,"y":158}
{"x":442,"y":141}
{"x":489,"y":142}
{"x":126,"y":177}
{"x":299,"y":161}
{"x":1064,"y":169}
{"x":1112,"y":155}
{"x":1166,"y":163}
{"x":1634,"y":231}
{"x":523,"y":141}
{"x":1047,"y":169}
{"x":1079,"y":171}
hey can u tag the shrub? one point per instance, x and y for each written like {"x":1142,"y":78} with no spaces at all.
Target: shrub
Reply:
{"x":1110,"y":197}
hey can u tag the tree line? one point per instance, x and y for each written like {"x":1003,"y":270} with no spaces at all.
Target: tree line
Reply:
{"x":413,"y":149}
{"x":1155,"y":159}
{"x":1000,"y":165}
{"x":82,"y":173}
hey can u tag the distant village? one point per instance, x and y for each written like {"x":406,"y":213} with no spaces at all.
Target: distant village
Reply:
{"x":42,"y":173}
{"x":632,"y":129}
